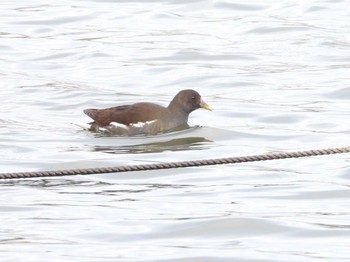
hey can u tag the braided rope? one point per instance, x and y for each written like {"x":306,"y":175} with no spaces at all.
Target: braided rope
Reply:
{"x":180,"y":164}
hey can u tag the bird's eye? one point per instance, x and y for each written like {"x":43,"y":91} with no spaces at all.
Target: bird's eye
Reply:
{"x":193,"y":97}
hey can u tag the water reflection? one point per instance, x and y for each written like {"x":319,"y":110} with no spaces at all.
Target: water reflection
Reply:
{"x":52,"y":182}
{"x":179,"y":144}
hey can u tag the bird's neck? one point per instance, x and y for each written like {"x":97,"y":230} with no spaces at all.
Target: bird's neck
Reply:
{"x":177,"y":114}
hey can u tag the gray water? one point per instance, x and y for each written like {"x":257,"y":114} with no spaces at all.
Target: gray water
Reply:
{"x":276,"y":74}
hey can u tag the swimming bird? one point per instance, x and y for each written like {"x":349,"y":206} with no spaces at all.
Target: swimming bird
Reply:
{"x":145,"y":117}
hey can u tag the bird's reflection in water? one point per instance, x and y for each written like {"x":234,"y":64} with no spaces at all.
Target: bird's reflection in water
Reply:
{"x":179,"y":144}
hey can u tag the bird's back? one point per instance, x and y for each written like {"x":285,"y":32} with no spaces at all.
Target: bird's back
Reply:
{"x":127,"y":114}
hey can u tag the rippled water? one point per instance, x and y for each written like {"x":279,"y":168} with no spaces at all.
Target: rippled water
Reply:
{"x":276,"y":75}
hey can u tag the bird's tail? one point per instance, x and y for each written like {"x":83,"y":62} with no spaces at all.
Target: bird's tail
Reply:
{"x":91,"y":113}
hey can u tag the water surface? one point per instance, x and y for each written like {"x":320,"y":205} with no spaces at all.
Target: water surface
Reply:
{"x":276,"y":75}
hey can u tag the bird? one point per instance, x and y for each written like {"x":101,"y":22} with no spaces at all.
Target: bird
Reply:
{"x":145,"y":117}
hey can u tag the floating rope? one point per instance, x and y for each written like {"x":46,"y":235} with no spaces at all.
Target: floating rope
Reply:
{"x":180,"y":164}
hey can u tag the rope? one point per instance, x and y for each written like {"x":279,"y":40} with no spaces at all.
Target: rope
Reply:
{"x":180,"y":164}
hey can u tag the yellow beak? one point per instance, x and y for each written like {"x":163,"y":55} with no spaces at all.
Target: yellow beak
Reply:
{"x":204,"y":105}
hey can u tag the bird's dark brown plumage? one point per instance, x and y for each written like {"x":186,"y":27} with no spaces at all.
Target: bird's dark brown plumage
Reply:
{"x":176,"y":114}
